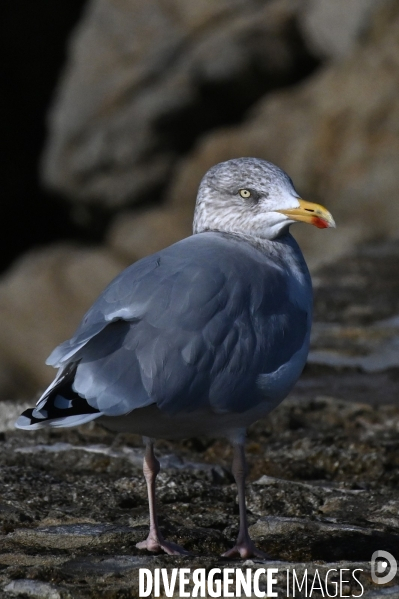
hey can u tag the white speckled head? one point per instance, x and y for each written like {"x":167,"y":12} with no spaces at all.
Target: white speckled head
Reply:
{"x":242,"y":196}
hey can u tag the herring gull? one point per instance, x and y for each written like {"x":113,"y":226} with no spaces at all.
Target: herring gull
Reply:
{"x":202,"y":338}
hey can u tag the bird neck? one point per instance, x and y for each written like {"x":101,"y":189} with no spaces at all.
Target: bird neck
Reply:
{"x":283,"y":250}
{"x":260,"y":243}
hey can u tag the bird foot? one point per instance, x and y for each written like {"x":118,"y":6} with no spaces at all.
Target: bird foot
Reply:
{"x":156,"y":544}
{"x":245,"y":549}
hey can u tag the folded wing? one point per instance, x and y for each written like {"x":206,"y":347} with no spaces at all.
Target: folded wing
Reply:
{"x":190,"y":327}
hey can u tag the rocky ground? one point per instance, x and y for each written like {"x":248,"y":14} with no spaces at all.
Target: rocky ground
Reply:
{"x":324,"y":470}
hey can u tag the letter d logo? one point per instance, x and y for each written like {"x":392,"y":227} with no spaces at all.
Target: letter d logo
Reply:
{"x":380,"y":562}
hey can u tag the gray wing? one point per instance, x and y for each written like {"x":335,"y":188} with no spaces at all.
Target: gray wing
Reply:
{"x":190,"y":327}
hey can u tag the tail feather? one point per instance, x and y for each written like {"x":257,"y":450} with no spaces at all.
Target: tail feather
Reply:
{"x":59,"y":406}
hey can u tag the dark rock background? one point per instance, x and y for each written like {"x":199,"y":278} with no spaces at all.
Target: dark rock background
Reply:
{"x":33,"y":37}
{"x":113,"y":124}
{"x":115,"y":110}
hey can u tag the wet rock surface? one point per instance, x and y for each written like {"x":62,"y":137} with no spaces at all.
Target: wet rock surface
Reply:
{"x":323,"y":485}
{"x":323,"y":490}
{"x":356,"y":328}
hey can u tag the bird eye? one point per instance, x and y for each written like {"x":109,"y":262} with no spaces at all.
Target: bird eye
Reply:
{"x":245,"y":193}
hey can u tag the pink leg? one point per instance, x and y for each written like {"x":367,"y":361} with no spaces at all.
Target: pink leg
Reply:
{"x":244,"y":546}
{"x":155,"y":541}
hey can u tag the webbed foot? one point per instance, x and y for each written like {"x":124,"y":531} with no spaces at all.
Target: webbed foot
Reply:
{"x":156,"y":544}
{"x":245,"y":549}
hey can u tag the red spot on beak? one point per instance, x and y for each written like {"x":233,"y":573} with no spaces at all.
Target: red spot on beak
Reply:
{"x":319,"y":222}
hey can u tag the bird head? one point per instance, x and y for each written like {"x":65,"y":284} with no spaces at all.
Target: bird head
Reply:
{"x":249,"y":196}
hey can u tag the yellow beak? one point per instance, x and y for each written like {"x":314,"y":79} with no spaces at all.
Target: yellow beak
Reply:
{"x":314,"y":214}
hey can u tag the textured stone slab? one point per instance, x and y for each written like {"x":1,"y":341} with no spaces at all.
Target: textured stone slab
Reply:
{"x":371,"y":349}
{"x":391,"y":592}
{"x":102,"y":566}
{"x":31,"y":588}
{"x":75,"y":536}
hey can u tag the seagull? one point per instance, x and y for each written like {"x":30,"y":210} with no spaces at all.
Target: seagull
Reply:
{"x":202,"y":338}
